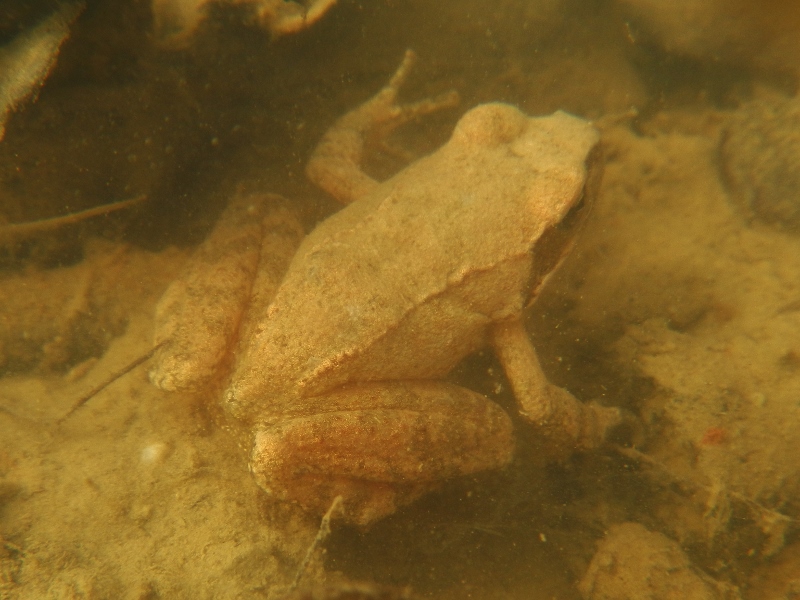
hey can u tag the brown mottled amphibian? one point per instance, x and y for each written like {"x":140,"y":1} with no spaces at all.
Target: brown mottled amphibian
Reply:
{"x":340,"y":376}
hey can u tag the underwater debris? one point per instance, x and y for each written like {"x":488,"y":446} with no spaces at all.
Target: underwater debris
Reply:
{"x":755,"y":35}
{"x":773,"y":524}
{"x":760,"y":160}
{"x":634,"y":563}
{"x":336,"y":590}
{"x":26,"y":62}
{"x":107,"y":382}
{"x":56,"y":318}
{"x":11,"y":232}
{"x":177,"y":20}
{"x":322,"y":535}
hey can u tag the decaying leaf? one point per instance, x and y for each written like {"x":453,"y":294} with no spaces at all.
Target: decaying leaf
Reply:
{"x":176,"y":20}
{"x":26,"y":62}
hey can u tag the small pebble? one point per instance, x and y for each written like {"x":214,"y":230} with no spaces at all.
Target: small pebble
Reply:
{"x":153,"y":453}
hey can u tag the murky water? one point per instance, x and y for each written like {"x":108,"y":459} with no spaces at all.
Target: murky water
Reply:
{"x":680,"y":303}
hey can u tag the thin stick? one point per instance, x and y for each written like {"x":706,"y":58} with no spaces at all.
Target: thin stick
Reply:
{"x":694,"y":486}
{"x":96,"y":390}
{"x":322,"y":535}
{"x":16,"y":230}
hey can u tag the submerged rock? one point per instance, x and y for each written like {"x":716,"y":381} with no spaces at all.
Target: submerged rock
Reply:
{"x":760,"y":160}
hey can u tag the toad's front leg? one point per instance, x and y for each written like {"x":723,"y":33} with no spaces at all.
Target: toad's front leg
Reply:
{"x":378,"y":445}
{"x":563,"y":422}
{"x":335,"y":163}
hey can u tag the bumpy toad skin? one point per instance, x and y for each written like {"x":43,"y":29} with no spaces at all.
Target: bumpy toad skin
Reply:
{"x":340,"y":377}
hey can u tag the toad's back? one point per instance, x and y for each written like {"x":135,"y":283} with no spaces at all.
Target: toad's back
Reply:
{"x":403,"y":283}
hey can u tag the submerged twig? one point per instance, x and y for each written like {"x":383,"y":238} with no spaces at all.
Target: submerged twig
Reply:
{"x":12,"y":231}
{"x":773,"y":523}
{"x":99,"y":388}
{"x":322,"y":535}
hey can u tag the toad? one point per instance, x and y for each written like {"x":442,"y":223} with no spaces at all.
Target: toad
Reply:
{"x":338,"y":369}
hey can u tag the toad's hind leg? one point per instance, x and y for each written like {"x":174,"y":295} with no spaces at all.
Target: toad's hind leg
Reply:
{"x":335,"y":163}
{"x":379,"y":446}
{"x":239,"y":265}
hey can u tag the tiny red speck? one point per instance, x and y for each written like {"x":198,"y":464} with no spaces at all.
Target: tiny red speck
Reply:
{"x":714,"y":436}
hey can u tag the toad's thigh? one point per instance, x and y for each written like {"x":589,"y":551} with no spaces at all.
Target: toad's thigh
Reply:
{"x":379,"y":445}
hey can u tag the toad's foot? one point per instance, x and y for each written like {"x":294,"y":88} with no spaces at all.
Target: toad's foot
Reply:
{"x":379,"y":445}
{"x":564,"y":423}
{"x":335,"y":163}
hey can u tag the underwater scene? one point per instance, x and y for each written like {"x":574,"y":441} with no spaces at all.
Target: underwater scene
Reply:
{"x":394,"y":299}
